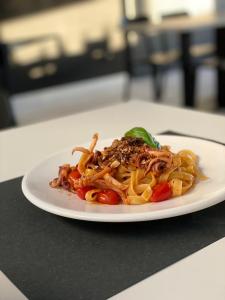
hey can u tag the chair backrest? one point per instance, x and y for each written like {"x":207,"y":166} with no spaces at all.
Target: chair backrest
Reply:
{"x":35,"y":74}
{"x":138,"y":11}
{"x":163,"y":42}
{"x":98,"y":49}
{"x":4,"y":65}
{"x":169,"y":39}
{"x":174,"y":15}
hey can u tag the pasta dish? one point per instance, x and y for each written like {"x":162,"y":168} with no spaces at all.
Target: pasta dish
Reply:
{"x":135,"y":169}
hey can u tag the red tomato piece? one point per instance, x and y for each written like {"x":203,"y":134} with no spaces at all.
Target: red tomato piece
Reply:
{"x":108,"y":197}
{"x":75,"y":174}
{"x":81,"y":192}
{"x":161,"y":192}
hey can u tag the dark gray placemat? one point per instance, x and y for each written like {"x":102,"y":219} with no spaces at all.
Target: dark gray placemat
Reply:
{"x":50,"y":257}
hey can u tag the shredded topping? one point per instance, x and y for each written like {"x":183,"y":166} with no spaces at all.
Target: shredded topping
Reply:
{"x":133,"y":152}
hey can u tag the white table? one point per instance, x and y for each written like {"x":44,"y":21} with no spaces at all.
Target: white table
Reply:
{"x":185,"y":23}
{"x":21,"y":148}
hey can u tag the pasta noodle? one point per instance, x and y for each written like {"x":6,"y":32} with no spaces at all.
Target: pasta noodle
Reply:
{"x":131,"y":169}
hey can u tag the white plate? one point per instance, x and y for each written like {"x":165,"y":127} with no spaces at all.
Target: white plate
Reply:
{"x":35,"y":186}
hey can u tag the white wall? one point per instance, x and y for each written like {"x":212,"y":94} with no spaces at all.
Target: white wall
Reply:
{"x":88,"y":20}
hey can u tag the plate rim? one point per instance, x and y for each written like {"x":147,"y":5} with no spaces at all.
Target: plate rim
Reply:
{"x":208,"y":201}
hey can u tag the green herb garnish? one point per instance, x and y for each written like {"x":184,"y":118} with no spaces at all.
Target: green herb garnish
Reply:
{"x":140,"y":132}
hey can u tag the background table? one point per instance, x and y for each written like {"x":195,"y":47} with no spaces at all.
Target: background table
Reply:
{"x":47,"y":256}
{"x":184,"y":27}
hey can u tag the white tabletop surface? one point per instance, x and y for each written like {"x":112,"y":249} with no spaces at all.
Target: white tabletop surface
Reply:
{"x":21,"y":148}
{"x":8,"y":291}
{"x":200,"y":276}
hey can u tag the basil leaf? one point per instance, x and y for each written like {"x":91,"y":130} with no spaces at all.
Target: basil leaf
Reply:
{"x":140,"y":132}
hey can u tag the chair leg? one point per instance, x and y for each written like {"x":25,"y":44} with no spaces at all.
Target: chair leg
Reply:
{"x":157,"y":82}
{"x":189,"y":70}
{"x":220,"y":35}
{"x":127,"y":89}
{"x":220,"y":88}
{"x":189,"y":85}
{"x":6,"y":113}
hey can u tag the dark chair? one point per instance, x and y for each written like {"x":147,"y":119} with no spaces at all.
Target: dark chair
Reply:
{"x":6,"y":114}
{"x":98,"y":50}
{"x":169,"y":53}
{"x":44,"y":66}
{"x":157,"y":53}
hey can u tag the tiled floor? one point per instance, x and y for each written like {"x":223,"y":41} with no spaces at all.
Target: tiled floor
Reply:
{"x":86,"y":95}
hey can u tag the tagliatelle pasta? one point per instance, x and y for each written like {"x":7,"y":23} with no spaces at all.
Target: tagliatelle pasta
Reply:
{"x":129,"y":171}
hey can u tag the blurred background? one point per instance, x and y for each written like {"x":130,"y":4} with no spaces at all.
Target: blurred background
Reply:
{"x":59,"y":57}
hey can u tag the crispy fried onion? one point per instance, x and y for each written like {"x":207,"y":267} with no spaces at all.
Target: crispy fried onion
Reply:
{"x":89,"y":180}
{"x":87,"y":154}
{"x":81,"y":149}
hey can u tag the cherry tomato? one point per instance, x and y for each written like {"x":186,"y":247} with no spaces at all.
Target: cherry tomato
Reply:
{"x":81,"y":192}
{"x":75,"y":174}
{"x":108,"y":197}
{"x":161,"y":192}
